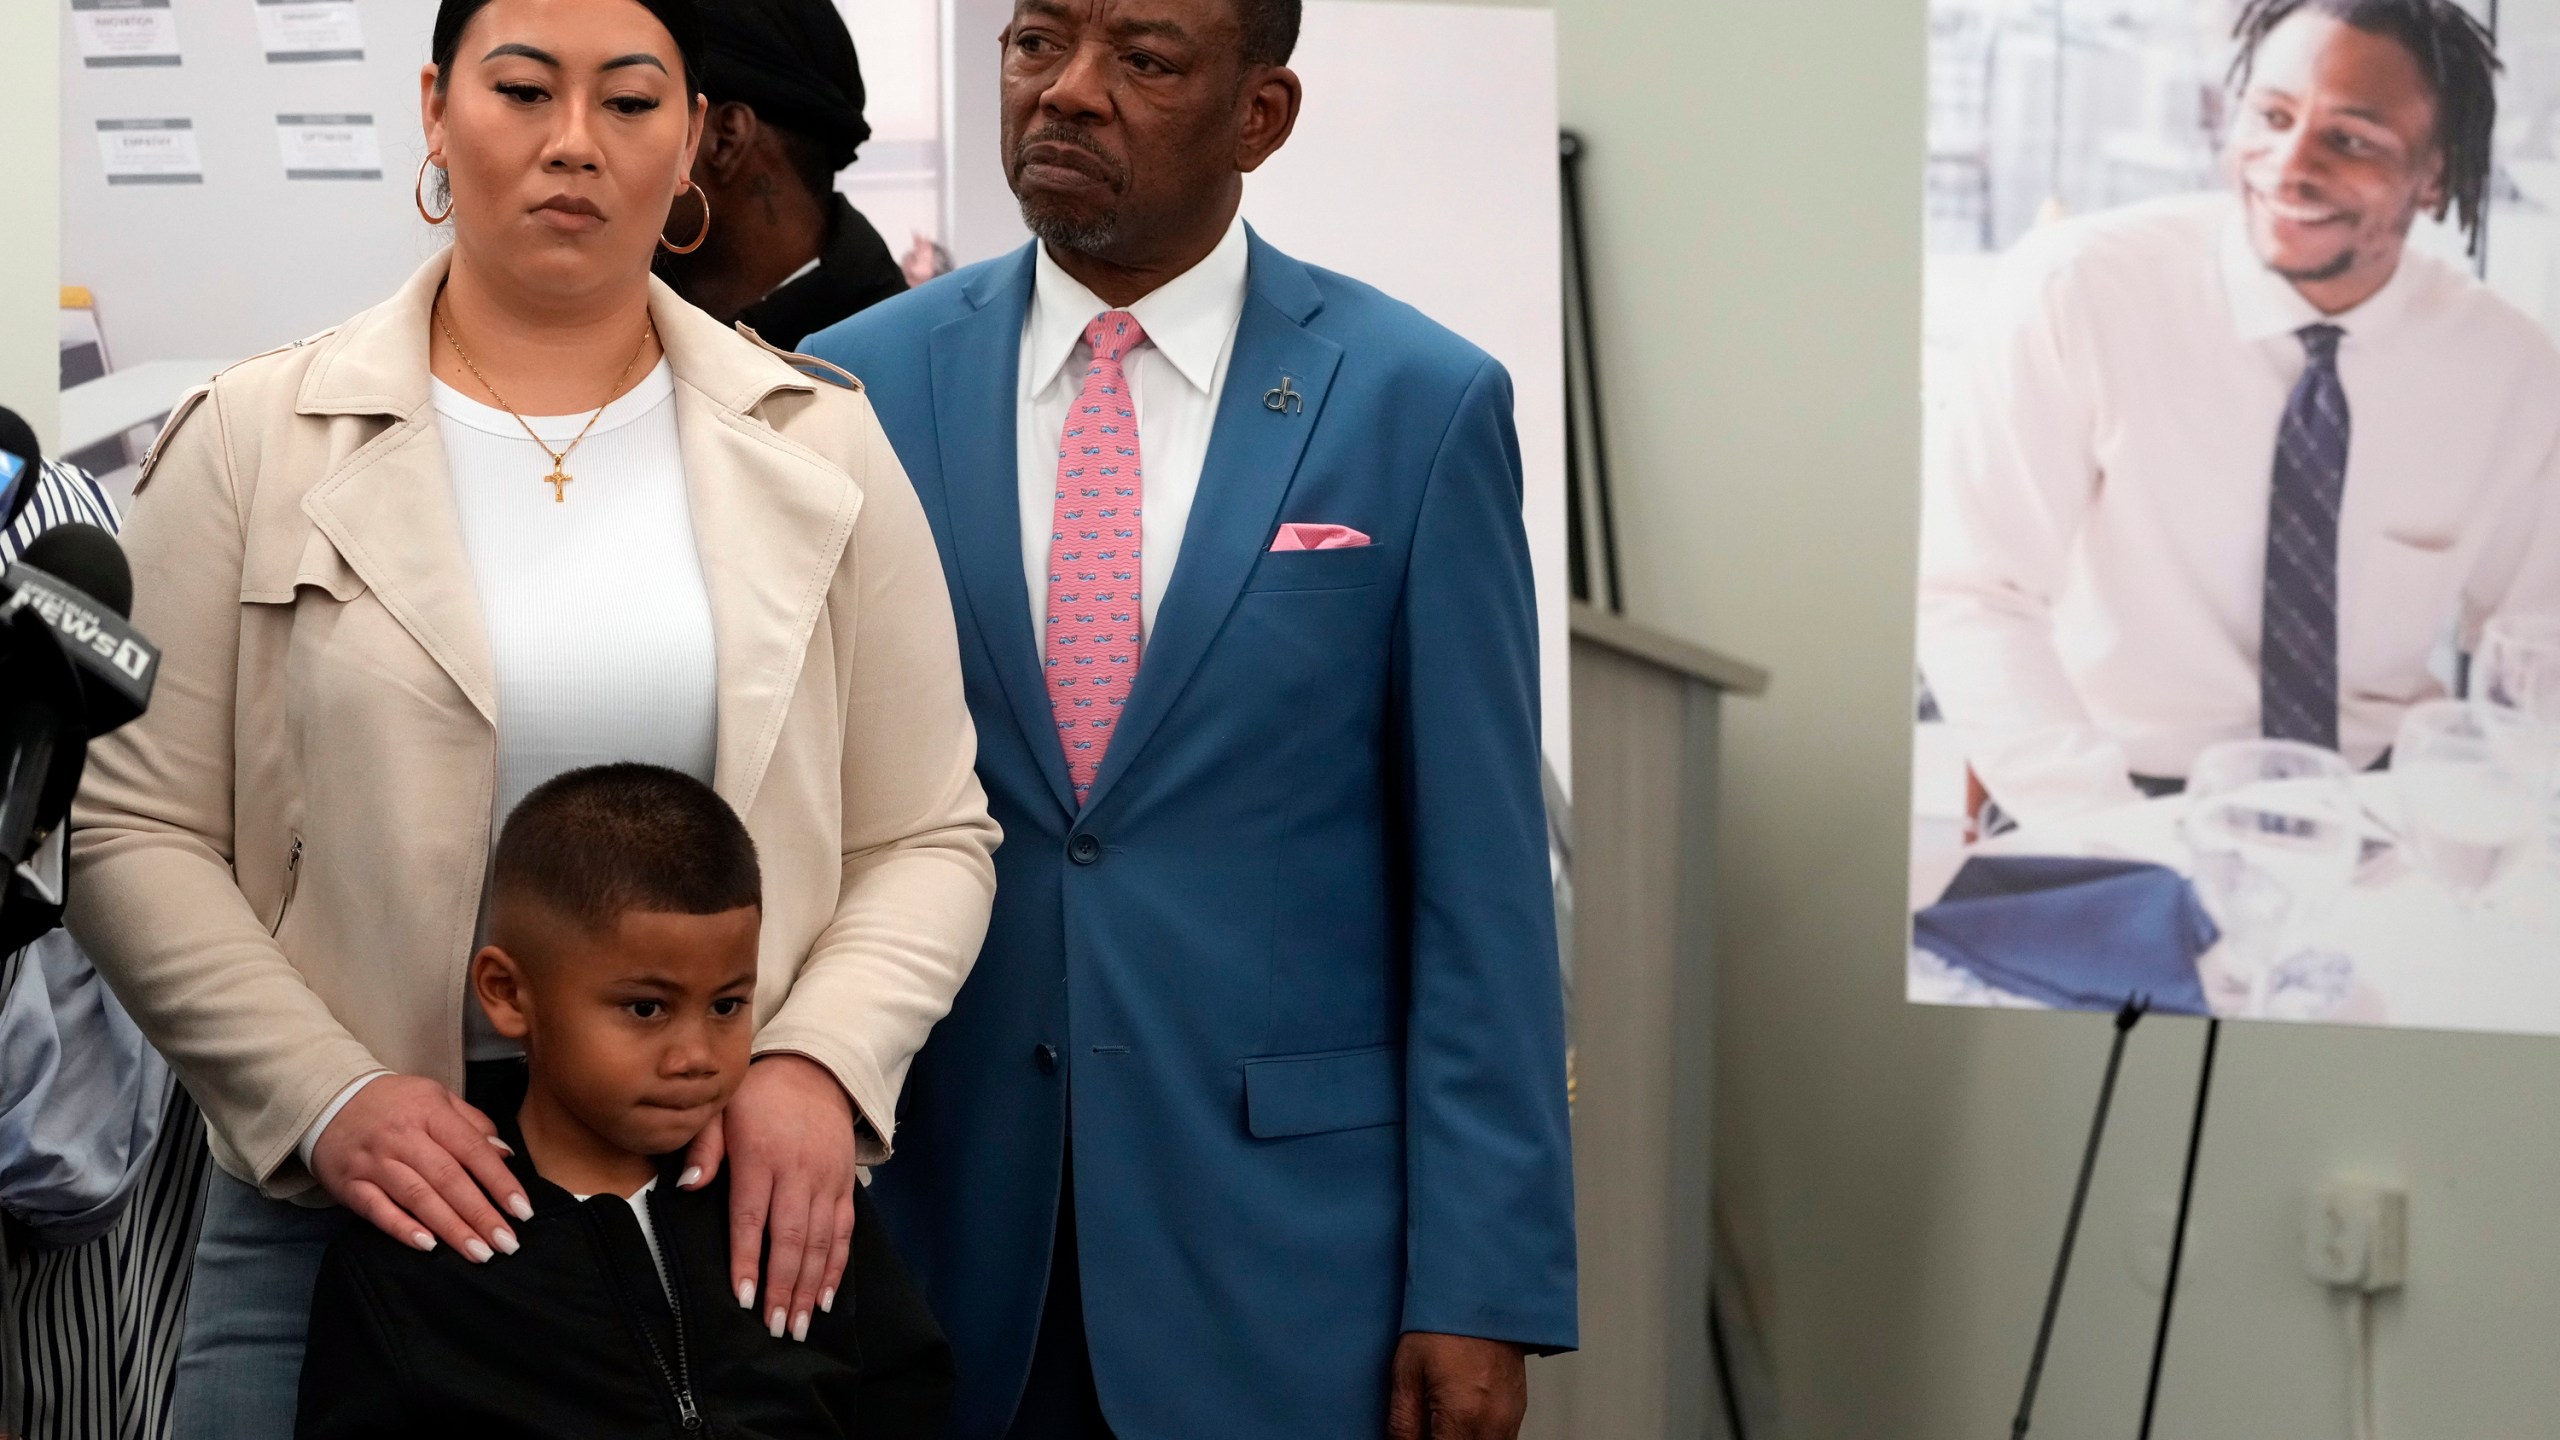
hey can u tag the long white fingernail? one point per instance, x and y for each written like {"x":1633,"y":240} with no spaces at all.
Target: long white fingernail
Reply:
{"x":506,"y":1239}
{"x":479,"y":1252}
{"x":520,"y":1207}
{"x":690,"y":1178}
{"x":746,"y":1294}
{"x":775,"y":1325}
{"x":800,"y":1326}
{"x":827,"y":1299}
{"x":423,"y":1240}
{"x":503,"y":1147}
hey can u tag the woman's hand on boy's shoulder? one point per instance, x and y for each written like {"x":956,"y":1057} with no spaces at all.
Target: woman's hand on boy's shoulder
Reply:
{"x":788,"y":1138}
{"x":416,"y":1160}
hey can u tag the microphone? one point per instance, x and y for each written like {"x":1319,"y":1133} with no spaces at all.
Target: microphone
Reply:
{"x":71,"y":668}
{"x":87,"y":559}
{"x":21,"y":461}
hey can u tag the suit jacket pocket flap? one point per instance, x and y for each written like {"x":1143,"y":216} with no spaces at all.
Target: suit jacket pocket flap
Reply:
{"x":1343,"y":569}
{"x":269,"y":574}
{"x":1289,"y":1095}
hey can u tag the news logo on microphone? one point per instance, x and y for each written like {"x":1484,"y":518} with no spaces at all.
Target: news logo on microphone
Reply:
{"x":82,"y":623}
{"x":72,"y":668}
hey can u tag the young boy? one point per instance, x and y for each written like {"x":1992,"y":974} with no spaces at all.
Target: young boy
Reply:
{"x":623,"y":954}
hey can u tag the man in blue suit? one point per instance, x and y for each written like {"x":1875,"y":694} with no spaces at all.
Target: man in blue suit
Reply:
{"x":1250,"y":1123}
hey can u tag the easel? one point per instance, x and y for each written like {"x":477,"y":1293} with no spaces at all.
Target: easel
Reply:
{"x":2126,"y":1018}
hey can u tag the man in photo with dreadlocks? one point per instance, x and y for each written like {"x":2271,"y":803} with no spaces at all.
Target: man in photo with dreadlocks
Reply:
{"x":2239,"y":465}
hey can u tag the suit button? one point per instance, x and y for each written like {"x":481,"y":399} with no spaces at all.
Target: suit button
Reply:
{"x":1084,"y":849}
{"x":1046,"y":1057}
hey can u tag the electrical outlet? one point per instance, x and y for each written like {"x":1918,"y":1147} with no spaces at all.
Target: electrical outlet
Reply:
{"x":2355,"y":1236}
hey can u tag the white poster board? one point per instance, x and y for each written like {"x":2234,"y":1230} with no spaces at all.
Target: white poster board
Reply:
{"x":2292,"y":755}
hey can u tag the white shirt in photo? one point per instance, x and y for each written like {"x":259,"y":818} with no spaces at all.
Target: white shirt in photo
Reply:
{"x":2095,"y":532}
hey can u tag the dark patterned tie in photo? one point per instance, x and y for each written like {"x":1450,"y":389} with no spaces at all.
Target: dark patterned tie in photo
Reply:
{"x":2298,"y":651}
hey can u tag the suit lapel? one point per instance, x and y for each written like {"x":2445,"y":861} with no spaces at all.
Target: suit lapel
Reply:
{"x":389,"y":510}
{"x":771,"y":519}
{"x":977,"y":363}
{"x":770,"y":522}
{"x":1253,"y":455}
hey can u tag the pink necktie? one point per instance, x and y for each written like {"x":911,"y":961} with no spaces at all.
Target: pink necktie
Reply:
{"x":1093,"y":641}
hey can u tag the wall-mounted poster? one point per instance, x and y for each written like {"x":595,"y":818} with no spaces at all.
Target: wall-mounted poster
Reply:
{"x":150,"y":152}
{"x":329,"y":147}
{"x":308,"y":32}
{"x":121,"y":34}
{"x":2239,"y":621}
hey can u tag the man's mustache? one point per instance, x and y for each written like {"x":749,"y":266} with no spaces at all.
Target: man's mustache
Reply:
{"x":1070,"y":138}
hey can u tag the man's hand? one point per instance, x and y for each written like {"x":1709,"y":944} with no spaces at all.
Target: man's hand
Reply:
{"x":416,"y":1160}
{"x":1454,"y":1387}
{"x":790,"y":1127}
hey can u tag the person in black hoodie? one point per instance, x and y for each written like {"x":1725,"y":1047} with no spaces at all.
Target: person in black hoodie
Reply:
{"x":623,"y":930}
{"x":781,"y":250}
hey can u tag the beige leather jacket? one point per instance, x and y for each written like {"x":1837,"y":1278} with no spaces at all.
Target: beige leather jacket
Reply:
{"x":278,"y":868}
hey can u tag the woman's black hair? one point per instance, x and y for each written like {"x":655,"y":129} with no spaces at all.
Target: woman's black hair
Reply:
{"x":2458,"y":55}
{"x":682,"y":19}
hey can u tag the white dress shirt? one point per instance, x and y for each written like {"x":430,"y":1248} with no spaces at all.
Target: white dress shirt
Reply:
{"x":1175,"y":381}
{"x":2094,"y":553}
{"x":598,"y":619}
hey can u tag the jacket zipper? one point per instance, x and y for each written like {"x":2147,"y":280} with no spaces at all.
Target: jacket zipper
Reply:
{"x":682,"y":1379}
{"x":292,"y":879}
{"x":678,"y":1378}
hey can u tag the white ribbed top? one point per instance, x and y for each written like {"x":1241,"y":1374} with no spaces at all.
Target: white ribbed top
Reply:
{"x":599,"y":623}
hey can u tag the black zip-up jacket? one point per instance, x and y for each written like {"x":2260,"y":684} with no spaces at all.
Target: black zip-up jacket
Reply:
{"x":855,"y":272}
{"x":573,"y":1336}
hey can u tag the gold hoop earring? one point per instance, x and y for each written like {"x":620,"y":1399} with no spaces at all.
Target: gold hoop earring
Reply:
{"x":420,"y":196}
{"x":701,"y":235}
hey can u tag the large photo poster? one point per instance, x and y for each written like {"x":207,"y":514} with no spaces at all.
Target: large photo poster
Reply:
{"x":2239,"y":617}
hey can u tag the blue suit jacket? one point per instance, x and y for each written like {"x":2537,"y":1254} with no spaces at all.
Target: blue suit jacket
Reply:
{"x":1289,"y":975}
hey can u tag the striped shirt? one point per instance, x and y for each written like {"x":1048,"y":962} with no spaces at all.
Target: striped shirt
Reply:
{"x":64,"y":494}
{"x":89,"y":1333}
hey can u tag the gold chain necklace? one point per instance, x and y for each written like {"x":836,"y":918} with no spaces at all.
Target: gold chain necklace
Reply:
{"x":559,"y":477}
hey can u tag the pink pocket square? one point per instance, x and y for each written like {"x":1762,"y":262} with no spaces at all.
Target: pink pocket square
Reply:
{"x":1318,"y":537}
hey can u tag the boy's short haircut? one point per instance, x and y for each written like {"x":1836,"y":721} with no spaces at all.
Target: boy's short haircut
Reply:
{"x":596,"y":843}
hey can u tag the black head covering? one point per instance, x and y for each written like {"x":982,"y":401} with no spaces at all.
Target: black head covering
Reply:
{"x":792,"y":62}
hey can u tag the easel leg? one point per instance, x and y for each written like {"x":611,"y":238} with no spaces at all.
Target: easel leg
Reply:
{"x":2125,"y":1020}
{"x":2178,"y":1237}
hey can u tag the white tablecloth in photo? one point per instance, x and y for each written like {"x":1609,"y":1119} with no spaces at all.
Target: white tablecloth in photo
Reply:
{"x":2419,"y":958}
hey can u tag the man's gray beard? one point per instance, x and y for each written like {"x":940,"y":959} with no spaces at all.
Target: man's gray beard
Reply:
{"x":1085,"y":238}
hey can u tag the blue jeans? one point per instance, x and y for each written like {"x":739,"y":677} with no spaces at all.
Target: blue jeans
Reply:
{"x":240,"y":1359}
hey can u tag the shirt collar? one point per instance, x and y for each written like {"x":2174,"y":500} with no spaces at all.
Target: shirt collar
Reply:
{"x":807,"y":267}
{"x":1189,"y":318}
{"x":2265,"y":306}
{"x":837,"y":249}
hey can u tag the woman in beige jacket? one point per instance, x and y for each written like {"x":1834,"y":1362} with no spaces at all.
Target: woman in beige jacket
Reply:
{"x":532,"y":512}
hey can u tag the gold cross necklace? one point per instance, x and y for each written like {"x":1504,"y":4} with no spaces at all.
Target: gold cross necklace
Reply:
{"x":559,"y":477}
